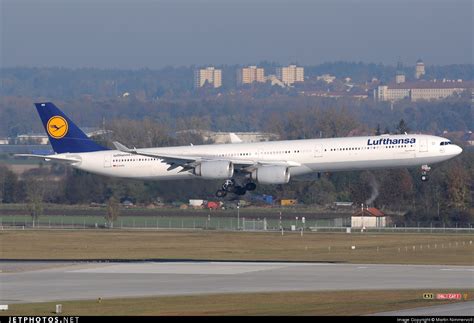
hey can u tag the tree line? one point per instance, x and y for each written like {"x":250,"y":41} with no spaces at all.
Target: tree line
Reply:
{"x":240,"y":113}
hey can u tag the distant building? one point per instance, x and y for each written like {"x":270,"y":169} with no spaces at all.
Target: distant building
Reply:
{"x":33,"y":138}
{"x":336,"y":94}
{"x":469,"y":138}
{"x":327,"y":78}
{"x":369,"y":218}
{"x":400,"y":74}
{"x":229,"y":137}
{"x":210,"y":75}
{"x":386,"y":93}
{"x":400,"y":78}
{"x":290,"y":74}
{"x":422,"y":90}
{"x":274,"y":80}
{"x":42,"y":138}
{"x":419,"y":69}
{"x":248,"y":75}
{"x":343,"y":204}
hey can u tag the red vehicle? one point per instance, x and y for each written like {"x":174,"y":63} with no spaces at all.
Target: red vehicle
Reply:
{"x":213,"y":205}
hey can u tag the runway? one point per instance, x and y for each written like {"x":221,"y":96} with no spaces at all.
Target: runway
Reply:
{"x":39,"y":282}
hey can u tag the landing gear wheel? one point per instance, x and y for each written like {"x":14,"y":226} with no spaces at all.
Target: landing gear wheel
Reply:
{"x":250,"y":186}
{"x":228,"y":185}
{"x":221,"y":193}
{"x":239,"y":190}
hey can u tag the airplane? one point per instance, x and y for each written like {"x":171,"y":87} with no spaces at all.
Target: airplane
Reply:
{"x":240,"y":165}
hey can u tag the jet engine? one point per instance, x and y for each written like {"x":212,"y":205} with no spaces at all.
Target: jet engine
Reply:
{"x":271,"y":175}
{"x":215,"y":169}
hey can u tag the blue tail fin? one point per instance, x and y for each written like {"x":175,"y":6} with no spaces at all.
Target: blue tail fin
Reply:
{"x":64,"y":135}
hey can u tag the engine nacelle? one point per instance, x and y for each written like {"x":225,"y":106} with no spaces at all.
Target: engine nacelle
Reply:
{"x":217,"y":169}
{"x":271,"y":175}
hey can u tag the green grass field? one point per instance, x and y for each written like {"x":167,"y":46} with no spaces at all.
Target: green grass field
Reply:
{"x":283,"y":303}
{"x":448,"y":249}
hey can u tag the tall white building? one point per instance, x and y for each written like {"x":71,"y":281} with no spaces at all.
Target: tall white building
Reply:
{"x":400,"y":77}
{"x":400,"y":74}
{"x":419,"y":69}
{"x":210,"y":75}
{"x":248,"y":75}
{"x":291,"y":74}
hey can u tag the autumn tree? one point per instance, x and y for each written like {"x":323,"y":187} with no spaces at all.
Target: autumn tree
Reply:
{"x":402,"y":127}
{"x":34,"y":198}
{"x":10,"y":188}
{"x":113,"y":211}
{"x":378,"y":132}
{"x":458,"y":195}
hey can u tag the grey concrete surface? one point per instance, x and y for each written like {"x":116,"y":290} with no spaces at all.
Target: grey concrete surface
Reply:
{"x":112,"y":280}
{"x":456,"y":309}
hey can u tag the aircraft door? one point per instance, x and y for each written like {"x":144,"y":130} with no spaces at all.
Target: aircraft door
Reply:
{"x":107,"y":160}
{"x":318,"y":151}
{"x":423,"y":145}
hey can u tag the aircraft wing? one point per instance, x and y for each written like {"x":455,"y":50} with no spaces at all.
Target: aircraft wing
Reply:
{"x":51,"y":157}
{"x":189,"y":162}
{"x":260,"y":163}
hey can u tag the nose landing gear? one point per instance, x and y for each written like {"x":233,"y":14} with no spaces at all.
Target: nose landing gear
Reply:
{"x":424,"y":172}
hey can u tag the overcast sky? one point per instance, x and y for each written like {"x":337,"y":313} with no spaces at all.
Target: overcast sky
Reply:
{"x":154,"y":34}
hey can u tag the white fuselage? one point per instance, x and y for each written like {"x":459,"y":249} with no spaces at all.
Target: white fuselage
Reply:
{"x":313,"y":155}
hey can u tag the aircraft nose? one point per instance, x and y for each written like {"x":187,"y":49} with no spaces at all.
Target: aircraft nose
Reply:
{"x":457,"y":149}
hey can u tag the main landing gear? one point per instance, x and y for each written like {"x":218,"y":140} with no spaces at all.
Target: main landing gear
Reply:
{"x":230,"y":186}
{"x":424,"y":172}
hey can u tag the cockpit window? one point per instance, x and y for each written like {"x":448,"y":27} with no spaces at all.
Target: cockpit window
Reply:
{"x":444,"y":143}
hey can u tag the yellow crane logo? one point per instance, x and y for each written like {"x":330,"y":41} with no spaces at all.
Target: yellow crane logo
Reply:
{"x":57,"y":127}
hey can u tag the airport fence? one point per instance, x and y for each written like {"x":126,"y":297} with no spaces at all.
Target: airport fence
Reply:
{"x":15,"y":222}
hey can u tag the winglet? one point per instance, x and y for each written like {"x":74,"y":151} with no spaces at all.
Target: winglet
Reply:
{"x":124,"y":148}
{"x":234,"y":138}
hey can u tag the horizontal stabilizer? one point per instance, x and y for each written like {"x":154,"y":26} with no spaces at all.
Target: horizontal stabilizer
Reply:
{"x":51,"y":157}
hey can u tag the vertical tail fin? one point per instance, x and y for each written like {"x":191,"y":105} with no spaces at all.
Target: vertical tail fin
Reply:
{"x":64,"y":135}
